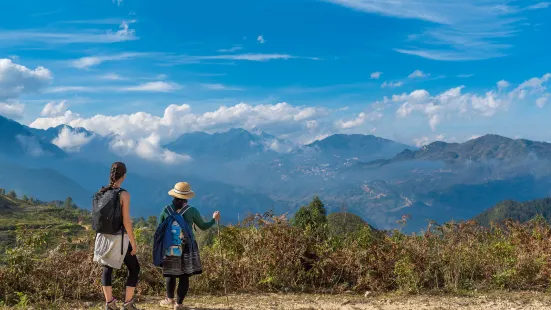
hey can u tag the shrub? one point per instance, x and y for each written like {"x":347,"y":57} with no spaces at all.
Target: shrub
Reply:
{"x":267,"y":253}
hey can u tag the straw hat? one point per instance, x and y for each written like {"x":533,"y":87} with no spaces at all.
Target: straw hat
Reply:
{"x":182,"y":190}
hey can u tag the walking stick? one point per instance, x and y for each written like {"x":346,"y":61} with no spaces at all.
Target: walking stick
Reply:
{"x":223,"y":267}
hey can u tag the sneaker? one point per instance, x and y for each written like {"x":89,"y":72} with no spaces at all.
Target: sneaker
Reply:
{"x":167,"y":303}
{"x":112,"y":305}
{"x":129,"y":306}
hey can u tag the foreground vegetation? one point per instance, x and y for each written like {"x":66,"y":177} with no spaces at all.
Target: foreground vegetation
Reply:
{"x":268,"y":253}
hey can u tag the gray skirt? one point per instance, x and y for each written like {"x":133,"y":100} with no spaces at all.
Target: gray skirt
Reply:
{"x":187,"y":264}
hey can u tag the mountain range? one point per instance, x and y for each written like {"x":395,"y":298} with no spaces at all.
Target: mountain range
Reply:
{"x":240,"y":171}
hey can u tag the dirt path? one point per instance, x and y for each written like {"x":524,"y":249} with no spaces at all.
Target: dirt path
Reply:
{"x":497,"y":301}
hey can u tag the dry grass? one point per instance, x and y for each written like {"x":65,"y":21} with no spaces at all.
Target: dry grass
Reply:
{"x":266,"y":254}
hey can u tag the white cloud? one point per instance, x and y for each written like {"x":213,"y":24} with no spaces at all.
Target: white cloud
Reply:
{"x":131,"y":129}
{"x":352,"y":123}
{"x":465,"y":75}
{"x":456,"y":30}
{"x":419,"y":142}
{"x":260,"y":39}
{"x":312,"y":124}
{"x":149,"y":148}
{"x":13,"y":111}
{"x":125,"y":33}
{"x":112,"y":77}
{"x":249,"y":57}
{"x":65,"y":89}
{"x":186,"y":59}
{"x":540,"y":102}
{"x":454,"y":103}
{"x":51,"y":109}
{"x":234,"y":48}
{"x":17,"y":79}
{"x":503,"y":84}
{"x":531,"y":87}
{"x":376,"y":75}
{"x":91,"y":61}
{"x":391,"y":84}
{"x":417,"y":74}
{"x":158,"y":86}
{"x":219,"y":87}
{"x":539,"y":5}
{"x":71,"y":141}
{"x":118,"y":2}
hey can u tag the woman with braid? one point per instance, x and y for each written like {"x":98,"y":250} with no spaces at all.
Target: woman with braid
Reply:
{"x":181,"y":259}
{"x":109,"y":248}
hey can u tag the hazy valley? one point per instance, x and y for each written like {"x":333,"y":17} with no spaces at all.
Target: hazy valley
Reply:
{"x":240,"y":172}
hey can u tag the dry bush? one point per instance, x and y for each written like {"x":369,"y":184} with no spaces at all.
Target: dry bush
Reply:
{"x":266,"y":253}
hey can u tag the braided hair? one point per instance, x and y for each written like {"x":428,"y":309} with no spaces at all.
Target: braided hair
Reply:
{"x":118,"y":170}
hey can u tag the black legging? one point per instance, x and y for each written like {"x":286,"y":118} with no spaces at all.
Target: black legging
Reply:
{"x":133,"y":266}
{"x":183,"y":287}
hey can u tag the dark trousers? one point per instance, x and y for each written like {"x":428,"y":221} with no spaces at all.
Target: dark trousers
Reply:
{"x":183,"y":287}
{"x":132,"y":265}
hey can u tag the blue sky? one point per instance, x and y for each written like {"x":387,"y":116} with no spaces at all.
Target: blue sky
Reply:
{"x":127,"y":61}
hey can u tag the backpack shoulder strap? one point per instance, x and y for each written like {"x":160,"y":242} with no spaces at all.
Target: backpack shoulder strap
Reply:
{"x":170,"y":210}
{"x":184,"y":210}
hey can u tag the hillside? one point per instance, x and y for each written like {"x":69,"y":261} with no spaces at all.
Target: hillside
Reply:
{"x":516,"y":211}
{"x":44,"y":183}
{"x":355,"y":146}
{"x":230,"y":145}
{"x":486,"y":148}
{"x":58,"y":221}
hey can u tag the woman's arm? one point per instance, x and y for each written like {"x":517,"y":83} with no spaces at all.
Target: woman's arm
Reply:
{"x":198,"y":220}
{"x":127,"y":221}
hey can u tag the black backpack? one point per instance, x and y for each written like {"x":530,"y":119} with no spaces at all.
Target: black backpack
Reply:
{"x":107,"y":211}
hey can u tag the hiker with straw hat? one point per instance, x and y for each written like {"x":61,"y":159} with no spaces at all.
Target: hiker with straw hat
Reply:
{"x":181,"y":259}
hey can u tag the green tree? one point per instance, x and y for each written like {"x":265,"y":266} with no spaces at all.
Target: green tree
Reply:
{"x":68,"y":204}
{"x":139,"y":222}
{"x":25,"y":198}
{"x":312,"y":216}
{"x":152,"y":222}
{"x":12,"y":194}
{"x":2,"y":191}
{"x":343,"y":223}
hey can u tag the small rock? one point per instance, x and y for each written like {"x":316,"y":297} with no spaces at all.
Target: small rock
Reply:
{"x":346,"y":302}
{"x":367,"y":293}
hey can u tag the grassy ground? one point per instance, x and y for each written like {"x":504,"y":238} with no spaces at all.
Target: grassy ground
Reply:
{"x":494,"y":301}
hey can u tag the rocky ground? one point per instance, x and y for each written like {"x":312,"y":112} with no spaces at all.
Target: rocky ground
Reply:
{"x":497,"y":301}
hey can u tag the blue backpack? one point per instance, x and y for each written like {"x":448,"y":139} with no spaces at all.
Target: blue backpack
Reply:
{"x":163,"y":235}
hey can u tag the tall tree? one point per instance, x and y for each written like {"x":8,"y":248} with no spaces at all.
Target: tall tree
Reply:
{"x":12,"y":194}
{"x":68,"y":204}
{"x":152,"y":222}
{"x":313,"y":216}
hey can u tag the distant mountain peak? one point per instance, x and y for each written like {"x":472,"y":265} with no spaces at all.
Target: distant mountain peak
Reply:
{"x":235,"y":143}
{"x":19,"y":140}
